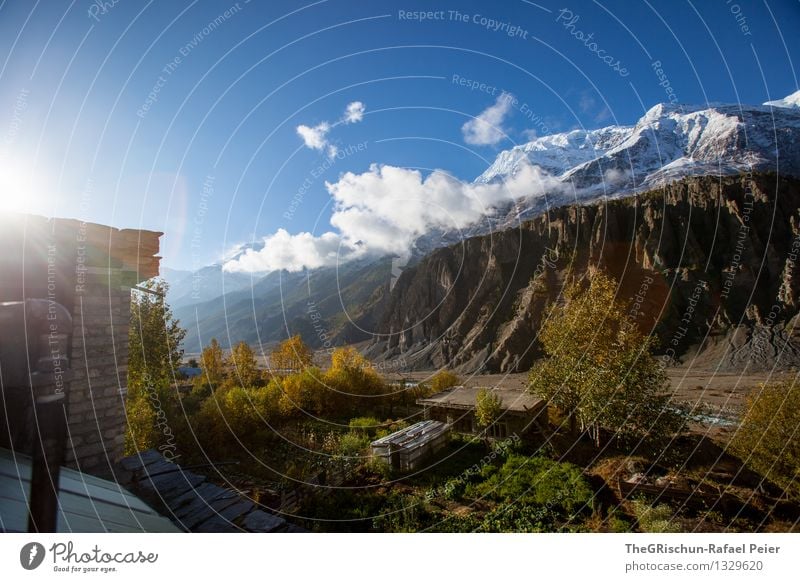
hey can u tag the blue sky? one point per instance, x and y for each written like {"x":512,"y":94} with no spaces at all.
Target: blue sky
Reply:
{"x":183,"y":116}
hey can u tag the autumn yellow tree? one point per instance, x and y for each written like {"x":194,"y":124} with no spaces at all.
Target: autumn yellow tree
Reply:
{"x":442,"y":380}
{"x":768,"y":439}
{"x":351,"y":383}
{"x":303,"y":392}
{"x":244,"y":367}
{"x":212,"y":361}
{"x":291,"y":355}
{"x":599,"y":369}
{"x":357,"y":372}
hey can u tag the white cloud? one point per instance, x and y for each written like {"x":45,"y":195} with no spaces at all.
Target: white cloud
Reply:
{"x":314,"y":137}
{"x":354,"y":112}
{"x":614,"y":176}
{"x":386,"y":209}
{"x":487,"y":128}
{"x":586,"y":103}
{"x":290,"y":252}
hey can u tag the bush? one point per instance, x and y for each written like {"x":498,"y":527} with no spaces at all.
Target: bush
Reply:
{"x":238,"y":415}
{"x":538,"y":481}
{"x":515,"y":518}
{"x":616,"y":522}
{"x":658,"y":519}
{"x":365,"y":425}
{"x":442,"y":380}
{"x":767,"y":439}
{"x":353,"y":444}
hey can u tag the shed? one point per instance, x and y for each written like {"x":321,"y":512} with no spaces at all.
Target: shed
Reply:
{"x":406,"y":449}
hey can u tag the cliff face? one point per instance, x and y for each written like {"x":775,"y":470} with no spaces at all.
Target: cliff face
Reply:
{"x":707,"y":264}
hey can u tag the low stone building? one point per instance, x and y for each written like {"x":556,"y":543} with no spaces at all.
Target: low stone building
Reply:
{"x":522,"y":413}
{"x":65,"y":288}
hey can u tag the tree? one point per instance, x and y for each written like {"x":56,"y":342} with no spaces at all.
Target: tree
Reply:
{"x":244,"y":365}
{"x":351,"y":376}
{"x":768,"y":438}
{"x":599,"y":369}
{"x":154,"y":354}
{"x":302,"y":392}
{"x":212,"y":360}
{"x":488,"y":407}
{"x":291,"y":355}
{"x":155,"y":338}
{"x":444,"y":379}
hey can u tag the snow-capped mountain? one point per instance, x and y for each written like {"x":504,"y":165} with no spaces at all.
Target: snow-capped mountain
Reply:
{"x":668,"y":143}
{"x":792,"y":100}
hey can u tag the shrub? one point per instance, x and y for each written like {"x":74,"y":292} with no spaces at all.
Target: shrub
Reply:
{"x":442,"y":380}
{"x":616,"y":522}
{"x":353,"y":444}
{"x":768,"y":440}
{"x":658,"y":519}
{"x":539,"y":481}
{"x":365,"y":425}
{"x":516,"y":518}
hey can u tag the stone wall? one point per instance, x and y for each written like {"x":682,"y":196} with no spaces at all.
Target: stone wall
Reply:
{"x":90,"y":269}
{"x":99,"y":360}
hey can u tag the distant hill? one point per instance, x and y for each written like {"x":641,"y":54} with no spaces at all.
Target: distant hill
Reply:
{"x":327,"y":307}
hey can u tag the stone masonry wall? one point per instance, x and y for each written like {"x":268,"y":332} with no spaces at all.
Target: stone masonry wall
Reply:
{"x":90,"y":269}
{"x":99,"y":359}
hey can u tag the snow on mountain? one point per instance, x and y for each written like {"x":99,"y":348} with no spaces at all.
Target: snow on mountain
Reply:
{"x":792,"y":100}
{"x":668,"y":143}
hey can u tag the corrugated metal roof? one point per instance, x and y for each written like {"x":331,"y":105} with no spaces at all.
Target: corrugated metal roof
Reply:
{"x":87,"y":504}
{"x":413,"y":436}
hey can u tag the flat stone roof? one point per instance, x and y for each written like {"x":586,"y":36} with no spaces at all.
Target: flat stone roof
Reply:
{"x":463,"y":397}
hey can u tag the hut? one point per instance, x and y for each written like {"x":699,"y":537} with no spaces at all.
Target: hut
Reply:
{"x":405,"y":450}
{"x":522,"y":413}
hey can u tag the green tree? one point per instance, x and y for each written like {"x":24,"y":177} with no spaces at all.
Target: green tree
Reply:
{"x":768,"y":438}
{"x":154,"y":355}
{"x":488,"y":407}
{"x":244,"y":365}
{"x":599,"y":369}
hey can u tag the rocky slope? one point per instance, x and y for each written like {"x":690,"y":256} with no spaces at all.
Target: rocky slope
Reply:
{"x":707,"y":263}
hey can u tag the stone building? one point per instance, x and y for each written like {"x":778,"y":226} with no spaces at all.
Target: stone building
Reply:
{"x":521,"y":414}
{"x":89,"y":269}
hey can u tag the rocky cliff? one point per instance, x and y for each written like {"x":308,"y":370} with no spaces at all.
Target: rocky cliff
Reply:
{"x":706,"y":263}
